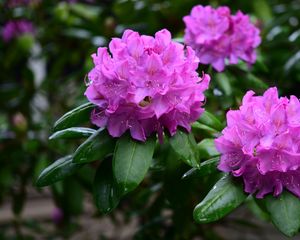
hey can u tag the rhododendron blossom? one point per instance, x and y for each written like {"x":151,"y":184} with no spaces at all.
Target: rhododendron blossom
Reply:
{"x":22,"y":3}
{"x":147,"y":84}
{"x":261,"y":143}
{"x":217,"y":35}
{"x":15,"y":28}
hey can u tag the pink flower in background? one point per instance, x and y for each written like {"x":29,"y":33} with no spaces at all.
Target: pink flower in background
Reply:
{"x":57,"y":216}
{"x":147,"y":84}
{"x":15,"y":28}
{"x":217,"y":35}
{"x":18,"y":3}
{"x":261,"y":143}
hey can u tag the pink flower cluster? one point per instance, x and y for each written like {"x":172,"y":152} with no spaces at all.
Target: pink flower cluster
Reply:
{"x":217,"y":35}
{"x":17,"y":3}
{"x":15,"y":28}
{"x":262,"y":143}
{"x":145,"y":85}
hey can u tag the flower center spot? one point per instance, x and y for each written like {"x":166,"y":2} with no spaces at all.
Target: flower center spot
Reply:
{"x":145,"y":102}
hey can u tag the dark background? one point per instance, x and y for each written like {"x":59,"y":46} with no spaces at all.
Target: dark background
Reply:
{"x":42,"y":76}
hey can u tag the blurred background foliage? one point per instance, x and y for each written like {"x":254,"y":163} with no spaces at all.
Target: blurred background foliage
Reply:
{"x":42,"y":76}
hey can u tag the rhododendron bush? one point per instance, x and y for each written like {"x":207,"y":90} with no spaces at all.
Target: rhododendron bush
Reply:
{"x":175,"y":117}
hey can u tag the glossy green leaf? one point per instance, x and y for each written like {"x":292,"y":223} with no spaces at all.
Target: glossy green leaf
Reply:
{"x":76,"y":116}
{"x":200,"y":129}
{"x":57,"y":171}
{"x":284,"y":212}
{"x":96,"y":147}
{"x":206,"y":168}
{"x":85,"y":11}
{"x":185,"y":147}
{"x":224,"y":83}
{"x":105,"y":190}
{"x":256,"y":209}
{"x":292,"y":62}
{"x":207,"y":148}
{"x":223,"y":198}
{"x":131,"y":161}
{"x":73,"y":132}
{"x":210,"y":120}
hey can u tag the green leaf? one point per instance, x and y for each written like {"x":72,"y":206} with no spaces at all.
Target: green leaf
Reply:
{"x":72,"y":198}
{"x":58,"y":170}
{"x":85,"y":11}
{"x":260,"y":64}
{"x":256,"y":82}
{"x":284,"y":212}
{"x":105,"y":190}
{"x":131,"y":161}
{"x":185,"y":147}
{"x":73,"y":132}
{"x":200,"y":129}
{"x":210,"y":120}
{"x":292,"y":62}
{"x":76,"y":116}
{"x":263,"y":10}
{"x":206,"y":168}
{"x":256,"y":209}
{"x":207,"y":148}
{"x":224,"y":83}
{"x":96,"y":147}
{"x":223,"y":198}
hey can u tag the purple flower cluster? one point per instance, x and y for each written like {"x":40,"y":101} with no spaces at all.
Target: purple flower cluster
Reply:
{"x":15,"y":28}
{"x":17,"y":3}
{"x":217,"y":35}
{"x":21,"y":3}
{"x":262,"y":143}
{"x":145,"y":85}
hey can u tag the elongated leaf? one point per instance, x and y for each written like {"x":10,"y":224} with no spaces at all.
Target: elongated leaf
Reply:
{"x":96,"y":147}
{"x":131,"y":162}
{"x":207,"y":148}
{"x":76,"y":116}
{"x":223,"y":81}
{"x":256,"y":82}
{"x":223,"y":198}
{"x":202,"y":129}
{"x":85,"y":11}
{"x":105,"y":190}
{"x":57,"y":171}
{"x":291,"y":63}
{"x":206,"y":168}
{"x":185,"y":146}
{"x":73,"y":132}
{"x":263,"y":10}
{"x":284,"y":212}
{"x":256,"y":209}
{"x":211,"y":121}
